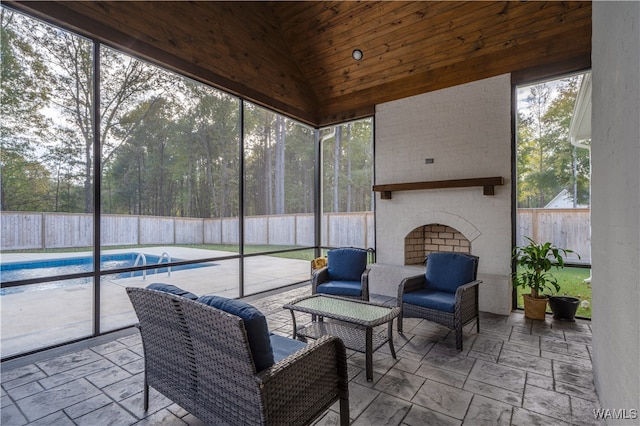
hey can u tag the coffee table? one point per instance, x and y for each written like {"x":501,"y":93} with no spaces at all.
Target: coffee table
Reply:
{"x":356,"y":330}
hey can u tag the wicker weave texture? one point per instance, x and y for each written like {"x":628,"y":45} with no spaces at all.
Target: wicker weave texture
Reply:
{"x":199,"y":357}
{"x":465,"y":306}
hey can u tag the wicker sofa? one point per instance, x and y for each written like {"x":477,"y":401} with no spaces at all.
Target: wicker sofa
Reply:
{"x":202,"y":358}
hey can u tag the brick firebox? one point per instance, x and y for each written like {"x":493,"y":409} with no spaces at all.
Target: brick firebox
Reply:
{"x":434,"y":237}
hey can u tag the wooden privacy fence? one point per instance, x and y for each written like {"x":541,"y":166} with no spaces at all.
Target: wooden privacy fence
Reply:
{"x":23,"y":230}
{"x":566,"y":228}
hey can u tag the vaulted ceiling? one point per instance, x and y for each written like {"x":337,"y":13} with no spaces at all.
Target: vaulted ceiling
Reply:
{"x":295,"y":56}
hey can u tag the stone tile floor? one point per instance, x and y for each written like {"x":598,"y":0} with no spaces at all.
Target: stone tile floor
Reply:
{"x":514,"y":372}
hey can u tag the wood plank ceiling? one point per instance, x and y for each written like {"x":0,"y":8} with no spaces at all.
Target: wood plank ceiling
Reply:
{"x":295,"y":56}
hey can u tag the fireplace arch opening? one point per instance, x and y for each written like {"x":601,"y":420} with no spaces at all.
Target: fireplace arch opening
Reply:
{"x":431,"y":238}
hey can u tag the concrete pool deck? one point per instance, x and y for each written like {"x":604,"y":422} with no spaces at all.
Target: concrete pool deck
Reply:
{"x":40,"y":318}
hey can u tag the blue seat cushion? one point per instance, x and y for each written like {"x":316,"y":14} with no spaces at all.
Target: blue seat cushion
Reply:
{"x":432,"y":299}
{"x":448,"y":271}
{"x":284,"y":346}
{"x":341,"y":288}
{"x":169,"y":288}
{"x":255,"y":324}
{"x":346,"y":264}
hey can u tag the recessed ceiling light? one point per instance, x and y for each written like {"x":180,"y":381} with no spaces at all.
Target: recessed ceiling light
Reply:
{"x":356,"y":54}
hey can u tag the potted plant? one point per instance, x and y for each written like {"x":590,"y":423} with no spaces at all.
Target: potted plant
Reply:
{"x":564,"y":307}
{"x":535,"y":261}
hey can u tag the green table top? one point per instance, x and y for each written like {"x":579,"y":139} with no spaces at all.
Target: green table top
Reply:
{"x":356,"y":311}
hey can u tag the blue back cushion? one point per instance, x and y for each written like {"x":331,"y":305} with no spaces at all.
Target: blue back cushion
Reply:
{"x":169,"y":288}
{"x":255,"y":324}
{"x":448,"y":271}
{"x":346,"y":264}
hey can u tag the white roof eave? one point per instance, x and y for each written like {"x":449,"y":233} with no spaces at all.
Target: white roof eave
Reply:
{"x":580,"y":128}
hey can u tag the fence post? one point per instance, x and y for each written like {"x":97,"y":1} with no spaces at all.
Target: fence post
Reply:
{"x":365,"y":230}
{"x":327,"y":228}
{"x":42,"y":232}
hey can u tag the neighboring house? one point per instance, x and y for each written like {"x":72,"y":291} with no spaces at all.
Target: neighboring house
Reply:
{"x":563,"y":200}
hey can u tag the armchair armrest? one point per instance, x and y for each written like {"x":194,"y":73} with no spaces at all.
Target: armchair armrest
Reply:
{"x":318,"y":277}
{"x":410,"y":284}
{"x":466,"y":287}
{"x":364,"y":281}
{"x":306,"y":383}
{"x":467,"y":300}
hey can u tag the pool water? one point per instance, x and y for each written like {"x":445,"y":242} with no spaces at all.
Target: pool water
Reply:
{"x":51,"y":267}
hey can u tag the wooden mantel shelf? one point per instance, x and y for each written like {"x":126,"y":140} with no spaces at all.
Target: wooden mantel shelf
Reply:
{"x":488,"y":185}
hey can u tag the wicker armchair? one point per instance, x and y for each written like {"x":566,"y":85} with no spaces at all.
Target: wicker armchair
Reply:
{"x":200,"y":357}
{"x":345,"y":275}
{"x":446,"y":294}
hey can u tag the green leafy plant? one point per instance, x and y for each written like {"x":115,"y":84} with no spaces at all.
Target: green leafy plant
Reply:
{"x":536,"y":260}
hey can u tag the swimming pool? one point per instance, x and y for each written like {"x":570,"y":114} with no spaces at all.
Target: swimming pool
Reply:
{"x":51,"y":267}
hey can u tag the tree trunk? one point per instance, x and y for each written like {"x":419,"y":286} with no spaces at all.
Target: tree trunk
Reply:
{"x":279,"y":166}
{"x":349,"y":186}
{"x":336,"y":169}
{"x":267,"y":179}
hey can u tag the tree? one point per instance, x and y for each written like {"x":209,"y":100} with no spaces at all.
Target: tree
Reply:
{"x":182,"y":156}
{"x":300,"y":166}
{"x":337,"y":156}
{"x":124,"y":83}
{"x":545,"y":155}
{"x":260,"y":134}
{"x":168,"y":145}
{"x":140,"y":162}
{"x":211,"y":122}
{"x":25,"y":184}
{"x":65,"y":161}
{"x":23,"y":91}
{"x":279,"y":175}
{"x":348,"y":170}
{"x":24,"y":94}
{"x":279,"y":163}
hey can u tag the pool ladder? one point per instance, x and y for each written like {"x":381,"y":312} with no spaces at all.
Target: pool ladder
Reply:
{"x":162,"y":256}
{"x":143,"y":258}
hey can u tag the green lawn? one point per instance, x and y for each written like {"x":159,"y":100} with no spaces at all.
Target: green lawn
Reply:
{"x":571,"y":281}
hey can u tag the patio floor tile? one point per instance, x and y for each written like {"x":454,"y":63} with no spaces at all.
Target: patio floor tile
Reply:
{"x":485,"y":411}
{"x":384,"y":410}
{"x":442,"y":376}
{"x":523,"y":417}
{"x":55,"y":399}
{"x":515,"y":372}
{"x":444,"y":399}
{"x":548,"y":403}
{"x":419,"y":416}
{"x":400,"y":384}
{"x":526,"y":362}
{"x":494,"y":392}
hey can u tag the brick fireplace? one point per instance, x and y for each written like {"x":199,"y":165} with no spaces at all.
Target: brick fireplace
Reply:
{"x":431,"y":238}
